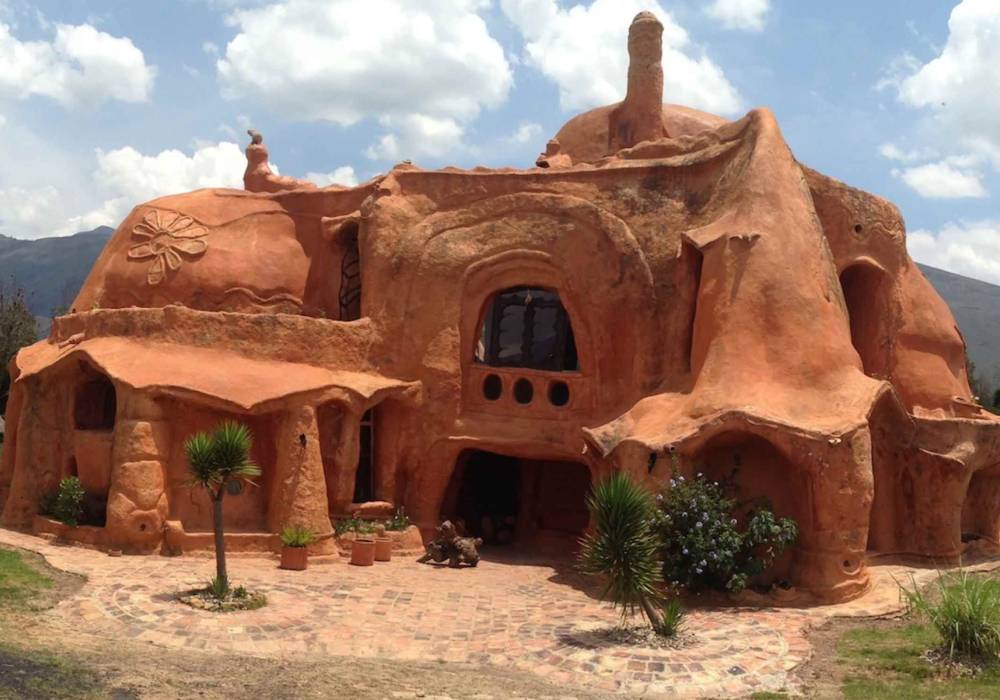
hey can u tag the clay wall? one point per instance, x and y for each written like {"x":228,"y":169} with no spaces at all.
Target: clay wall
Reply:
{"x":245,"y":512}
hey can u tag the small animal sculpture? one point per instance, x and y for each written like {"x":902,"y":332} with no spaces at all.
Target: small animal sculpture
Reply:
{"x":449,"y":545}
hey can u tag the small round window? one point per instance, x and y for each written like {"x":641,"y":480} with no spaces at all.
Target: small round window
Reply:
{"x":492,"y":387}
{"x":558,"y":393}
{"x":523,"y":391}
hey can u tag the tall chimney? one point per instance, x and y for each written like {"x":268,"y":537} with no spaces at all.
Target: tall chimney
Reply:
{"x":640,"y":116}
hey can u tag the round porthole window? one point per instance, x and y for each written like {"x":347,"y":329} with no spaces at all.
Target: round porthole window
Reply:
{"x":492,"y":387}
{"x":558,"y":393}
{"x":523,"y":391}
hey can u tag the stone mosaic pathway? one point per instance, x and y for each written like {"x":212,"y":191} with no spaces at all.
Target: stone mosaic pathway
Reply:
{"x":527,"y":616}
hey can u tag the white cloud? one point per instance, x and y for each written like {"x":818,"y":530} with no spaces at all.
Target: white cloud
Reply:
{"x":423,"y":69}
{"x":526,"y":133}
{"x":417,"y":135}
{"x":584,"y":51}
{"x":26,"y":208}
{"x":140,"y":177}
{"x":3,"y":120}
{"x":80,"y":66}
{"x":740,"y":14}
{"x":127,"y":177}
{"x":893,"y":152}
{"x":343,"y":175}
{"x":946,"y":179}
{"x":971,"y":249}
{"x":961,"y":86}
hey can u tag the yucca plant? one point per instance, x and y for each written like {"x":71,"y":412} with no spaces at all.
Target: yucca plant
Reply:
{"x":297,"y":536}
{"x":625,"y":550}
{"x":965,"y":612}
{"x":217,"y":459}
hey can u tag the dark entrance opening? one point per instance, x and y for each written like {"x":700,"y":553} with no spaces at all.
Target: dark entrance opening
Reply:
{"x":364,"y":479}
{"x":864,"y":293}
{"x":510,"y":500}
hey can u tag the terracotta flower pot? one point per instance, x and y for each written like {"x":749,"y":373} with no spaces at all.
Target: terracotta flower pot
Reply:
{"x":383,"y":548}
{"x":363,"y":552}
{"x":294,"y":558}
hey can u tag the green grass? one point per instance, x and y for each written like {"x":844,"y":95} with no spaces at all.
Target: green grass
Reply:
{"x":886,"y":664}
{"x":26,"y":672}
{"x":19,"y":582}
{"x":965,"y":610}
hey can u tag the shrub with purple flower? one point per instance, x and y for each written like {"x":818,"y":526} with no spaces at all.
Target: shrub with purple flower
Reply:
{"x":702,"y":545}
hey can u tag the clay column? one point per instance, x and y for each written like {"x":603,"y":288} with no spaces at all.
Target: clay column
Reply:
{"x":830,"y":551}
{"x":298,"y":495}
{"x":346,"y":459}
{"x":24,"y":457}
{"x":137,"y":499}
{"x":10,"y":439}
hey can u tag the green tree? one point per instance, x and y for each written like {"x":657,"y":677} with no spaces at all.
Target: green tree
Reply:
{"x":980,"y":387}
{"x":17,"y":329}
{"x":624,"y":548}
{"x":217,"y":459}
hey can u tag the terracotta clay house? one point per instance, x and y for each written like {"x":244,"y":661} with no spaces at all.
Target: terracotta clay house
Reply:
{"x":665,"y":289}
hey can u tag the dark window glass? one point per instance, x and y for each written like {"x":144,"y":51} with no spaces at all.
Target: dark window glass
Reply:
{"x":350,"y":280}
{"x":527,"y":327}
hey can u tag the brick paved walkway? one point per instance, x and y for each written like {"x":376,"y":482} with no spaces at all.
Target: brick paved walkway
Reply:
{"x":528,"y":616}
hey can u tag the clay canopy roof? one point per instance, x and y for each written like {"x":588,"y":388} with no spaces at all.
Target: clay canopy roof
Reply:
{"x":210,"y":376}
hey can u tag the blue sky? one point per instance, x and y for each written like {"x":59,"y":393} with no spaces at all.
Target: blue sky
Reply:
{"x":106,"y":103}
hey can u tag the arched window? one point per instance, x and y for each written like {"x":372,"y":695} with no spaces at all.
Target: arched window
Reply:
{"x":350,"y":278}
{"x":95,"y":404}
{"x":865,"y":293}
{"x":527,"y":327}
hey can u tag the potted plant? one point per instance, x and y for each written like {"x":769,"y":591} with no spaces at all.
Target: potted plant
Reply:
{"x":383,"y":544}
{"x":363,"y":551}
{"x":295,"y":541}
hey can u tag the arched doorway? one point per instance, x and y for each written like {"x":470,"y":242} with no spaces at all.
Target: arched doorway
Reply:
{"x":531,"y":503}
{"x":981,"y":509}
{"x":760,"y":474}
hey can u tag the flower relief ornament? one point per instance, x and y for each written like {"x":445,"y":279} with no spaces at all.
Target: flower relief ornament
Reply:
{"x":165,"y":237}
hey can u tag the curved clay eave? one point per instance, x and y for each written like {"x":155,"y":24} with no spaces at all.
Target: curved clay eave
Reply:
{"x":695,"y":429}
{"x":218,"y":381}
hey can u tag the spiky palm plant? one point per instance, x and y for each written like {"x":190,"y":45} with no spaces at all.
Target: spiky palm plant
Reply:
{"x":624,"y":547}
{"x":215,"y":460}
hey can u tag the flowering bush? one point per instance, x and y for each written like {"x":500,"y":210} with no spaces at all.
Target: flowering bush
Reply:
{"x":703,"y":547}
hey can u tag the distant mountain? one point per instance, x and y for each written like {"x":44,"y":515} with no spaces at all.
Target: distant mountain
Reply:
{"x":976,"y":306}
{"x":50,"y":270}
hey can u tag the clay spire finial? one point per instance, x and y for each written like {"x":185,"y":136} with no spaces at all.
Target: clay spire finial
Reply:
{"x":640,"y":116}
{"x":258,"y":177}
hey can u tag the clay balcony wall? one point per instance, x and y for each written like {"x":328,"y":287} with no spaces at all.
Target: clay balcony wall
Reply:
{"x":565,"y":396}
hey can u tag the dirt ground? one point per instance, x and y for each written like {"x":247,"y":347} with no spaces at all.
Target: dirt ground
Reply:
{"x":37,"y":661}
{"x":823,"y":675}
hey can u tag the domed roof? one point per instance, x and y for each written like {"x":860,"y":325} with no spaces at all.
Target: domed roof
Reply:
{"x":586,"y":137}
{"x":641,"y":116}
